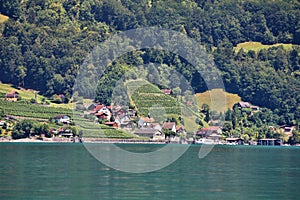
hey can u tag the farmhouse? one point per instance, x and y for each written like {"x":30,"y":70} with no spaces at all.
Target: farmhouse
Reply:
{"x":235,"y":141}
{"x":145,"y":121}
{"x":12,"y":96}
{"x":167,"y":91}
{"x":150,"y":133}
{"x":206,"y":132}
{"x":103,"y":113}
{"x":111,"y":124}
{"x":243,"y":104}
{"x":170,"y":126}
{"x":65,"y":119}
{"x":124,"y":122}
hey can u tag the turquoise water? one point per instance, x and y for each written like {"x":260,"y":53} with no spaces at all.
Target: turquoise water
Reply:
{"x":68,"y":171}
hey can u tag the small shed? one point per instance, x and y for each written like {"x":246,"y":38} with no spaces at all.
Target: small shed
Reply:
{"x":269,"y":142}
{"x":235,"y":141}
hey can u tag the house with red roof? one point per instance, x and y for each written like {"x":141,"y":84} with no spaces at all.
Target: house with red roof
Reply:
{"x":111,"y":124}
{"x":206,"y":132}
{"x":12,"y":96}
{"x":167,"y":91}
{"x":170,"y":126}
{"x":145,"y":121}
{"x":243,"y":104}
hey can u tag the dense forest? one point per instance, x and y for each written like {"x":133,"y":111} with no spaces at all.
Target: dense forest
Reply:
{"x":44,"y":42}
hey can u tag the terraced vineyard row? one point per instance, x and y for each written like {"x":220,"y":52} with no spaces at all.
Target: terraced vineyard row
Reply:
{"x":31,"y":110}
{"x":94,"y":130}
{"x":148,"y":97}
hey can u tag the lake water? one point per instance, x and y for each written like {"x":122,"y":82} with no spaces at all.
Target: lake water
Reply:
{"x":68,"y":171}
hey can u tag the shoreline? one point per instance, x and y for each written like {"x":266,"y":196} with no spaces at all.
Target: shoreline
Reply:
{"x":112,"y":141}
{"x":84,"y":140}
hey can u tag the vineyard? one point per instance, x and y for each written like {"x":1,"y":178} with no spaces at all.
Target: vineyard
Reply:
{"x":148,"y":97}
{"x":95,"y":130}
{"x":26,"y":109}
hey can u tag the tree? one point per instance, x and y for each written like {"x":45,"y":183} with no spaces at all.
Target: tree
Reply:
{"x":168,"y":133}
{"x":42,"y":129}
{"x":22,"y":129}
{"x":21,"y":74}
{"x":2,"y":113}
{"x":206,"y":110}
{"x":227,"y":128}
{"x":295,"y":138}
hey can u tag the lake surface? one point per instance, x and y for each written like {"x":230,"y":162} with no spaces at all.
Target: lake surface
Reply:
{"x":68,"y":171}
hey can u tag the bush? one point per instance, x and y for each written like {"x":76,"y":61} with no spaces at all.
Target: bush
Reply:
{"x":33,"y":101}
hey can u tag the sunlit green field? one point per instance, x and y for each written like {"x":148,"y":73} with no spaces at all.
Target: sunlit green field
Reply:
{"x":257,"y":46}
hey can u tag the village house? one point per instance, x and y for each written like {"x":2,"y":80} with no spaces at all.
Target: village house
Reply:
{"x":62,"y":97}
{"x":150,"y":133}
{"x":124,"y":122}
{"x":269,"y":142}
{"x":97,"y":107}
{"x":167,"y":91}
{"x":254,"y":108}
{"x":288,"y":130}
{"x":169,"y":126}
{"x":118,"y":111}
{"x":62,"y":132}
{"x":111,"y":124}
{"x":243,"y":104}
{"x":155,"y":126}
{"x":12,"y":96}
{"x":92,"y":106}
{"x":131,"y":113}
{"x":238,"y":141}
{"x":180,"y":130}
{"x":103,"y":112}
{"x":102,"y":115}
{"x":145,"y":122}
{"x":206,"y":132}
{"x":65,"y":119}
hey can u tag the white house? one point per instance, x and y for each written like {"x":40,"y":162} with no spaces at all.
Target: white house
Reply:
{"x":65,"y":119}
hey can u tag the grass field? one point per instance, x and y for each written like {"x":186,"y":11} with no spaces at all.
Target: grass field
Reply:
{"x":30,"y":94}
{"x":25,"y":94}
{"x":205,"y":98}
{"x":257,"y":46}
{"x":3,"y":18}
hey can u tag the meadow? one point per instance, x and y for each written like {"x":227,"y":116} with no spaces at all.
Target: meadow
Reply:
{"x":257,"y":46}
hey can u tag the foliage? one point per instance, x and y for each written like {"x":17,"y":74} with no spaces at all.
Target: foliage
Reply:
{"x":22,"y":129}
{"x":41,"y":128}
{"x":242,"y":122}
{"x":295,"y":138}
{"x":168,"y":132}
